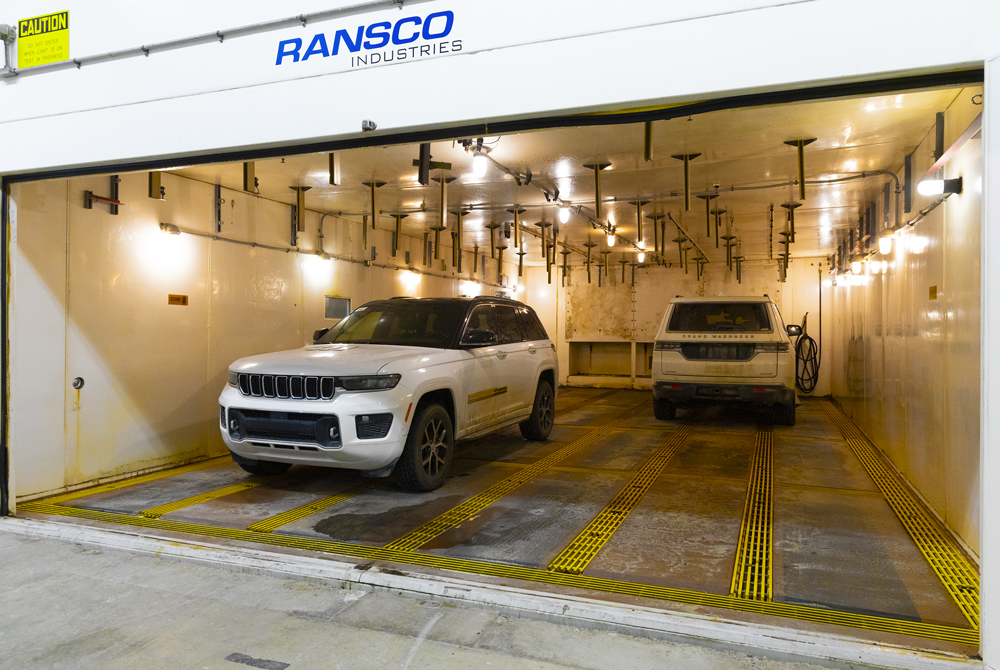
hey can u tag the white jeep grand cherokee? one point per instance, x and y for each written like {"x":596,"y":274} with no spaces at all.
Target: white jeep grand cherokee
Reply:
{"x":391,"y":387}
{"x":722,"y":350}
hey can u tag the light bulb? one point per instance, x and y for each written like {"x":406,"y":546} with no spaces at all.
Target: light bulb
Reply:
{"x":564,"y":214}
{"x":611,"y":239}
{"x":642,"y":257}
{"x":641,"y":244}
{"x":479,"y":165}
{"x":856,"y":267}
{"x":931,"y":187}
{"x":885,"y":245}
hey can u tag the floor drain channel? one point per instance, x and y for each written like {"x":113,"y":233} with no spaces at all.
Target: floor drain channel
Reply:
{"x":584,"y":548}
{"x":752,"y":571}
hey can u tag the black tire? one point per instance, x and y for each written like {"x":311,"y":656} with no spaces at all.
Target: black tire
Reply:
{"x":264,"y":468}
{"x":429,"y":448}
{"x":538,"y":426}
{"x":784,"y":415}
{"x":664,"y":410}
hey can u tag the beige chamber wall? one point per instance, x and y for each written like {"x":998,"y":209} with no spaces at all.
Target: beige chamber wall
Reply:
{"x":906,"y":360}
{"x":89,"y":299}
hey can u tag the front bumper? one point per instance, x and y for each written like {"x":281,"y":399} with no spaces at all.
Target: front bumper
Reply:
{"x":349,"y":451}
{"x":695,"y":392}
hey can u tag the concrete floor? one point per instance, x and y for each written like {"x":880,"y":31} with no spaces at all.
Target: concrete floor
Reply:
{"x":70,"y":606}
{"x":837,"y":543}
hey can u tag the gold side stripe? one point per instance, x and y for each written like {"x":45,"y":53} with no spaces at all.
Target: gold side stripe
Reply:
{"x":131,"y":481}
{"x":930,"y":631}
{"x":269,"y":524}
{"x":157,"y":512}
{"x":752,"y":571}
{"x":487,"y":394}
{"x":575,"y":558}
{"x":960,"y":579}
{"x":470,"y":507}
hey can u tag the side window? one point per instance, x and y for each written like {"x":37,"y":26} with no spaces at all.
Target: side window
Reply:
{"x":532,"y":327}
{"x":480,"y":321}
{"x":507,"y":324}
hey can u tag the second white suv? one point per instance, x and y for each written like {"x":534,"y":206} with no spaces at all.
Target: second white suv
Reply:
{"x":724,"y":350}
{"x":391,"y":387}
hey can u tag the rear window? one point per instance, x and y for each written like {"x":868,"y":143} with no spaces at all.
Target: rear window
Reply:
{"x":533,"y":329}
{"x":720,"y":317}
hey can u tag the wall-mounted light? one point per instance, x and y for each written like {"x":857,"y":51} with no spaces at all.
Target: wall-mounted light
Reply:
{"x":885,"y":244}
{"x":940,"y":186}
{"x":323,"y":255}
{"x":611,"y":236}
{"x":856,"y":267}
{"x":519,"y":288}
{"x":642,"y":257}
{"x":563,"y":214}
{"x":170,"y":229}
{"x":469,"y":288}
{"x":410,"y":279}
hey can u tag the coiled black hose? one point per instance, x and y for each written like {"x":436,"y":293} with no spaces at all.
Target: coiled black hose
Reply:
{"x":806,"y":361}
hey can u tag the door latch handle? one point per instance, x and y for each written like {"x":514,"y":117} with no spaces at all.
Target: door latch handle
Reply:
{"x":532,"y":350}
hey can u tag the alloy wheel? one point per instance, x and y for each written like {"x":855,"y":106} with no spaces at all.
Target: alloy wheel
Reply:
{"x":434,"y":450}
{"x":545,"y":411}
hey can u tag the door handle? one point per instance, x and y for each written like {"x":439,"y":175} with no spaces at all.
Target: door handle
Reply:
{"x":532,"y":350}
{"x":501,"y":354}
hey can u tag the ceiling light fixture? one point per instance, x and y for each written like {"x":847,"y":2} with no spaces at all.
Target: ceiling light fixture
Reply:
{"x":170,"y":229}
{"x":642,"y":257}
{"x":563,"y":214}
{"x":479,"y":165}
{"x":940,"y":186}
{"x":856,"y":267}
{"x":611,"y":237}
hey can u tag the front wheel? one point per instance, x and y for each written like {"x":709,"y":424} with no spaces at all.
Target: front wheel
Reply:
{"x":538,"y":426}
{"x":427,"y":454}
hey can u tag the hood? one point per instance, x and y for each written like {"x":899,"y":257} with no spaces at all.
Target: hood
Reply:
{"x":328,"y":359}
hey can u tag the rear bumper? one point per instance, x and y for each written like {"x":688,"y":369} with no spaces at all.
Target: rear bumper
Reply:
{"x":694,"y":392}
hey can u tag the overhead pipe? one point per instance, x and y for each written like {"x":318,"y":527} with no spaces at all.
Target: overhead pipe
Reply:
{"x":687,"y":158}
{"x":801,"y":145}
{"x":708,"y":198}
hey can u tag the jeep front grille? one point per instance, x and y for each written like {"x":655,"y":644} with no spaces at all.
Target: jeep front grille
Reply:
{"x":294,"y":387}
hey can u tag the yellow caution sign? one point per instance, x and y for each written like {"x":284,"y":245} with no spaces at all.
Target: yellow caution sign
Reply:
{"x":43,"y":39}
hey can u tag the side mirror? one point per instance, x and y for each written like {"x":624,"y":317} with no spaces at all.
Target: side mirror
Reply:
{"x":793,"y":330}
{"x":479,"y":337}
{"x":319,"y":333}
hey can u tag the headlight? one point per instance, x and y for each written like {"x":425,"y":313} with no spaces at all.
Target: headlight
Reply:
{"x":368,"y":383}
{"x":234,"y":378}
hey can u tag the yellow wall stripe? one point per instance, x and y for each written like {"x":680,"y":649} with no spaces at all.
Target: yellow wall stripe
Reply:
{"x":754,"y":556}
{"x":960,"y":579}
{"x":472,"y":506}
{"x":575,"y":558}
{"x":931,"y":631}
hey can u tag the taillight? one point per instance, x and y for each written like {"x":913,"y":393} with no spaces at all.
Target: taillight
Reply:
{"x":666,"y":346}
{"x":772,"y":347}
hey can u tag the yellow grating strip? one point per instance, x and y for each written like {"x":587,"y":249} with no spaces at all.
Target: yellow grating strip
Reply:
{"x":960,"y":579}
{"x":470,"y":507}
{"x":269,"y":524}
{"x":752,"y":571}
{"x":131,"y":481}
{"x":930,"y":631}
{"x":157,"y":512}
{"x":575,"y":558}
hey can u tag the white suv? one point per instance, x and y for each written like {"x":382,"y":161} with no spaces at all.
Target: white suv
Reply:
{"x":391,"y":387}
{"x":712,"y":350}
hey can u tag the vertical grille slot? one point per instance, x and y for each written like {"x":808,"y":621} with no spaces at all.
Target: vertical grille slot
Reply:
{"x":245,"y":384}
{"x":281,"y":386}
{"x":222,"y":416}
{"x":296,"y":387}
{"x":312,"y":388}
{"x":267,"y":381}
{"x":326,"y":387}
{"x":255,"y":389}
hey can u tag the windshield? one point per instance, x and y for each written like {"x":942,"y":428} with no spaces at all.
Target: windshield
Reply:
{"x":416,"y":324}
{"x":720,"y":317}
